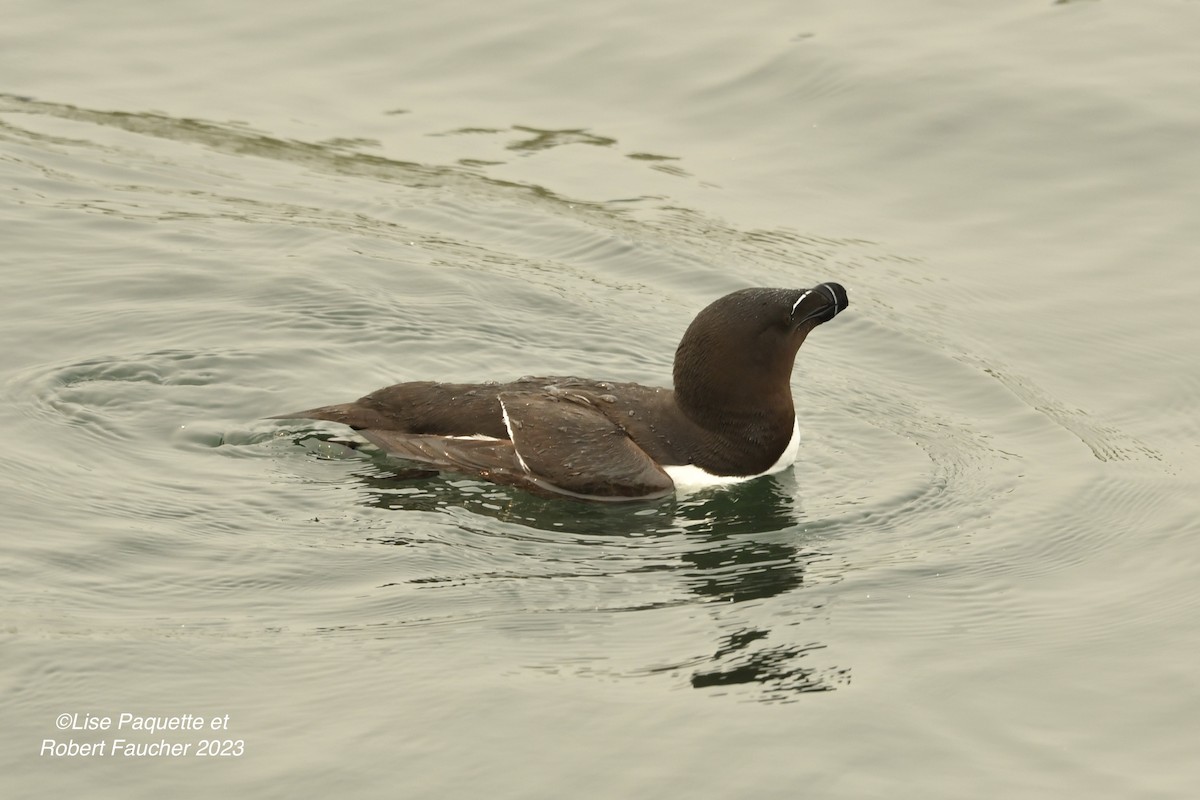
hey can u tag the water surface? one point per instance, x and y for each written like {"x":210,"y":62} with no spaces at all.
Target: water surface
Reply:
{"x":979,"y":580}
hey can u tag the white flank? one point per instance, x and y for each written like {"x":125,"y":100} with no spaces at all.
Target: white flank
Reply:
{"x":689,"y":476}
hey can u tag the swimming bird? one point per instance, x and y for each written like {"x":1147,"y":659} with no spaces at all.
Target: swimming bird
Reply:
{"x":729,"y":417}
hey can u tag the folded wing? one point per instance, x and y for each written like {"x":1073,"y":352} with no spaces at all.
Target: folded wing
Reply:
{"x":562,"y":439}
{"x":558,"y":445}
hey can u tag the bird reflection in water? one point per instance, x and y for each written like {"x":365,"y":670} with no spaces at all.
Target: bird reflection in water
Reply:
{"x":728,"y":548}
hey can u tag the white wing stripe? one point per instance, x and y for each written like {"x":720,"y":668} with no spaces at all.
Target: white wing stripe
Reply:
{"x":508,"y":427}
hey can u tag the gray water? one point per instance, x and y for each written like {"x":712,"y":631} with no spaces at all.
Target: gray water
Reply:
{"x":980,"y":579}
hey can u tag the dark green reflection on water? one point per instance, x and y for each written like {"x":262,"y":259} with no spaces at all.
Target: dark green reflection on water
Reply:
{"x":772,"y":667}
{"x":756,"y":506}
{"x":727,"y":554}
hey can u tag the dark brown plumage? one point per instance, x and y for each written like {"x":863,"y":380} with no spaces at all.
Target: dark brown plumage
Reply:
{"x":730,"y":412}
